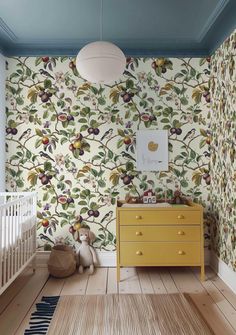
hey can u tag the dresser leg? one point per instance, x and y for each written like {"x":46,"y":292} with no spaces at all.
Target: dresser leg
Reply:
{"x":118,"y":273}
{"x":202,"y":273}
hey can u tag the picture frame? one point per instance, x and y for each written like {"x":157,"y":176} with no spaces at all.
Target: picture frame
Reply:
{"x":152,"y":150}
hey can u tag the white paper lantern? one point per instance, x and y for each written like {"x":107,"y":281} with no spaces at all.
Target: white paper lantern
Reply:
{"x":100,"y":62}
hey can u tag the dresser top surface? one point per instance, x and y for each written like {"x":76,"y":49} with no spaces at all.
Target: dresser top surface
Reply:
{"x":153,"y":207}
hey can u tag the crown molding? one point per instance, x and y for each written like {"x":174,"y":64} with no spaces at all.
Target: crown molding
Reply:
{"x":211,"y":19}
{"x":72,"y":52}
{"x":7,"y":30}
{"x":201,"y":53}
{"x":213,"y":33}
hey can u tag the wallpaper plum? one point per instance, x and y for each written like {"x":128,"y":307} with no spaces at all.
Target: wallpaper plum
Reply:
{"x":75,"y":143}
{"x":223,"y":151}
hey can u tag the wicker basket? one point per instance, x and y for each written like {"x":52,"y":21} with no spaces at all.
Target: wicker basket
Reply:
{"x":62,"y":262}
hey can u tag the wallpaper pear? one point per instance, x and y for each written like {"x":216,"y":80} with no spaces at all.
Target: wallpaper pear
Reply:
{"x":223,"y":151}
{"x":75,"y":142}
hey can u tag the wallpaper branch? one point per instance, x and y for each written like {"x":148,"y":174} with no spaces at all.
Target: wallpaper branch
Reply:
{"x":75,"y":143}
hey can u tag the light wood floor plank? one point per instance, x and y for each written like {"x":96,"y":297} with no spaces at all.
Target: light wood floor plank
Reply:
{"x":53,"y":287}
{"x":97,"y":283}
{"x":75,"y":284}
{"x":220,"y":300}
{"x":157,"y":283}
{"x":129,"y":281}
{"x":15,"y":312}
{"x":145,"y":281}
{"x":15,"y":288}
{"x":168,"y":281}
{"x":187,"y":283}
{"x":222,"y":287}
{"x":112,"y":287}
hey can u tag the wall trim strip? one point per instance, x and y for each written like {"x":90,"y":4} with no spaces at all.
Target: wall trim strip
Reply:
{"x":105,"y":258}
{"x":223,"y":271}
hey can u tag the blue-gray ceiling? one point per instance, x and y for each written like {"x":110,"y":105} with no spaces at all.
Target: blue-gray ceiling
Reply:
{"x":139,"y":27}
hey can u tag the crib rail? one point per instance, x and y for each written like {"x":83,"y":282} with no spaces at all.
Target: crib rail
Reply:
{"x":17,"y":234}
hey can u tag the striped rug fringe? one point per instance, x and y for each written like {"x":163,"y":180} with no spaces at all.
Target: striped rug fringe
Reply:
{"x":41,"y":318}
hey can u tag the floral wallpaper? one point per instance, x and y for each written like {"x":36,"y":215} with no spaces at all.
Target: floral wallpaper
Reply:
{"x":223,"y":151}
{"x":75,"y":143}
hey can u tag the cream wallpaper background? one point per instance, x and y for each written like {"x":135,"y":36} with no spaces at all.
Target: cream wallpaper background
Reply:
{"x":223,"y":151}
{"x":75,"y":143}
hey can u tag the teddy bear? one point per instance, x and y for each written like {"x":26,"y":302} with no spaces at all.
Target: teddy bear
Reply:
{"x":86,"y":254}
{"x":178,"y":198}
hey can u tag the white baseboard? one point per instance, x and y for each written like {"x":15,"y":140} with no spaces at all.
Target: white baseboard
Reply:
{"x":223,"y":271}
{"x":105,"y":258}
{"x":207,"y":256}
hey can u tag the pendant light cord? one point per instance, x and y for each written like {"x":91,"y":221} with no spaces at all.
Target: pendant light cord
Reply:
{"x":101,"y":20}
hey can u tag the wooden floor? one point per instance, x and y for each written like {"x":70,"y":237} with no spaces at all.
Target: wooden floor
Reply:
{"x":213,"y":298}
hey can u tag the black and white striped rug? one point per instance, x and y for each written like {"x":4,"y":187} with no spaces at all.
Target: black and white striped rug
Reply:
{"x":41,"y":318}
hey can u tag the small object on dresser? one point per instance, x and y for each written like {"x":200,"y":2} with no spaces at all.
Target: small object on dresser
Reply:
{"x":86,"y":254}
{"x":149,"y":197}
{"x":178,"y":199}
{"x":131,"y":199}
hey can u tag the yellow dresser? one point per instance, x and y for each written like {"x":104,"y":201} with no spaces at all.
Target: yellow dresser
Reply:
{"x":160,"y":236}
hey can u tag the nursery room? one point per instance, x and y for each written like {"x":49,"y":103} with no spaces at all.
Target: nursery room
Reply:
{"x":118,"y":167}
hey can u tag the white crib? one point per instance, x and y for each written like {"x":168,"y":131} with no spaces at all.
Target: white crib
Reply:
{"x":17,"y":234}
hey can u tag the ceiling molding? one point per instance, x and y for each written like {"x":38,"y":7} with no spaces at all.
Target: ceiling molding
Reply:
{"x":75,"y":41}
{"x":7,"y":30}
{"x":211,"y":19}
{"x":70,"y":52}
{"x":191,"y":40}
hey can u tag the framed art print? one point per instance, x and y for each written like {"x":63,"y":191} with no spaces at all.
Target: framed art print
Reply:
{"x":152,"y":150}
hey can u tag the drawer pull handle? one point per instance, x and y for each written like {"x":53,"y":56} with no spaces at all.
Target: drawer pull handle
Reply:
{"x":181,"y":252}
{"x":181,"y":232}
{"x":180,"y":217}
{"x":138,"y":233}
{"x":139,"y":253}
{"x":138,"y":217}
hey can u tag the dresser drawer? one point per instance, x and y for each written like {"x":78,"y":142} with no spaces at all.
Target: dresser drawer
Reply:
{"x":160,"y":233}
{"x":159,"y":253}
{"x":152,"y":217}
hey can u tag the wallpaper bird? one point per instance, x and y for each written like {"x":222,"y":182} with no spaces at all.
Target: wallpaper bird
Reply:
{"x":45,"y":155}
{"x":45,"y":73}
{"x":190,"y":134}
{"x":107,"y":134}
{"x":107,"y":217}
{"x":25,"y":134}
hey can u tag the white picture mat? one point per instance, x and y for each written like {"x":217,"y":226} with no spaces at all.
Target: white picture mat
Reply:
{"x":152,"y":160}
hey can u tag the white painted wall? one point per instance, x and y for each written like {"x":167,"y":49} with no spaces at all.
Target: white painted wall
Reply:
{"x":2,"y":122}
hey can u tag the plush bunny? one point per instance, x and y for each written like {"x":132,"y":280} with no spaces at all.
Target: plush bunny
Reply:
{"x":86,"y":253}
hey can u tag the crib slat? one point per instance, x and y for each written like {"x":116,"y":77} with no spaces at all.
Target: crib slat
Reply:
{"x":1,"y":249}
{"x":4,"y":246}
{"x":17,"y":234}
{"x":9,"y":241}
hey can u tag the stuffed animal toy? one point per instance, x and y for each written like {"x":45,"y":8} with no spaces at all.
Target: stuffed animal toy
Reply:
{"x":179,"y":199}
{"x":86,"y":254}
